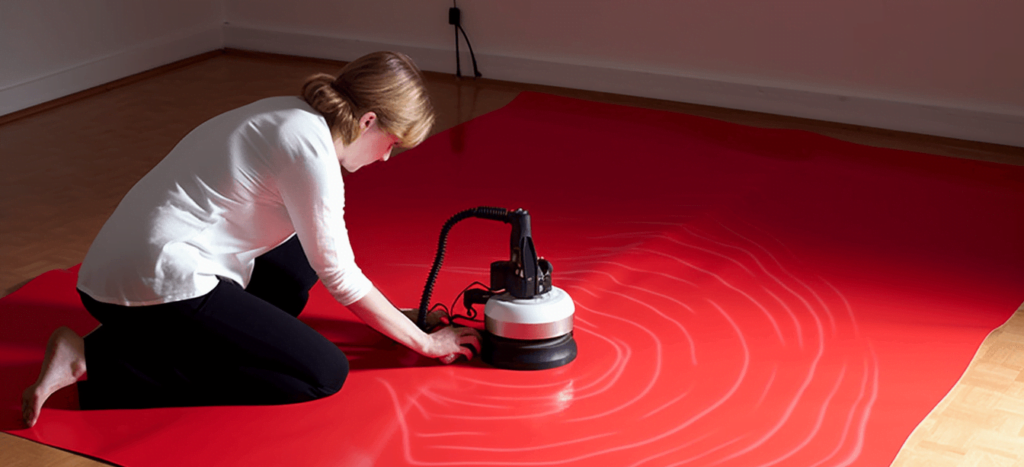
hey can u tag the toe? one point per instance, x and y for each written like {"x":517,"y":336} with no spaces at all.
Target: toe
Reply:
{"x":28,"y":417}
{"x":29,"y":406}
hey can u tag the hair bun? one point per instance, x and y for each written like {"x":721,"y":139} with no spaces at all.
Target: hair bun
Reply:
{"x":320,"y":93}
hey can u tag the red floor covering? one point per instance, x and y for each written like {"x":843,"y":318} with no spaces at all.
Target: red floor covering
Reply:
{"x":744,"y":297}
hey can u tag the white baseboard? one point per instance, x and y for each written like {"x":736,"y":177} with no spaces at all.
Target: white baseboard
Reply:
{"x":985,"y":125}
{"x":111,"y":67}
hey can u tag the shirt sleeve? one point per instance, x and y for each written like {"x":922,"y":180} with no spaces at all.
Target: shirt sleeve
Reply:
{"x":313,"y":192}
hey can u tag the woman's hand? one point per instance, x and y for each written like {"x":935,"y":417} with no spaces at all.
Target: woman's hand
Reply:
{"x":447,"y":343}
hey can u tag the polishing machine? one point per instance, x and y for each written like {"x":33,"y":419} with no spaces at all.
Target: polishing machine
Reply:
{"x":528,"y":322}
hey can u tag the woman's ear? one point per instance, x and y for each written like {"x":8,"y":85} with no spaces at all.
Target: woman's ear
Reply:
{"x":366,"y":121}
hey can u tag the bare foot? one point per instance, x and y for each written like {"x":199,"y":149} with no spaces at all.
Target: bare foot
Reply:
{"x":63,"y":364}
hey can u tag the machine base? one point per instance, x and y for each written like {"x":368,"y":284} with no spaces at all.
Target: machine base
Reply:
{"x":515,"y":354}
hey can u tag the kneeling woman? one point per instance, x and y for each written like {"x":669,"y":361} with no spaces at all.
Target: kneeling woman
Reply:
{"x":199,"y":275}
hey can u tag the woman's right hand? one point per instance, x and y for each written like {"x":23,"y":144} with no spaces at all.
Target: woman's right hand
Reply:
{"x":447,"y":343}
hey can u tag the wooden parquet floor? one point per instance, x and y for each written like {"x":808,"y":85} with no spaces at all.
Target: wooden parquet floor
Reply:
{"x":67,"y":164}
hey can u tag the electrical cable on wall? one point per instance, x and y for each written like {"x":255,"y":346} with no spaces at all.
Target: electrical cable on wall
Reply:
{"x":455,"y":18}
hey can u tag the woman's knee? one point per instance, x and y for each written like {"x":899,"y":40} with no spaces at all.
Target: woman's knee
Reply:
{"x":283,"y":277}
{"x":331,"y":376}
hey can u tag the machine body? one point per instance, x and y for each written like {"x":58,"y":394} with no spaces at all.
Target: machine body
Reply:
{"x":529,"y":333}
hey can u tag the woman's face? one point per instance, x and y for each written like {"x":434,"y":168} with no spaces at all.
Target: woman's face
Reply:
{"x":372,"y":145}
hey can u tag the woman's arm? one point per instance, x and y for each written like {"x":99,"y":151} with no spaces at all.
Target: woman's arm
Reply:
{"x":447,"y":343}
{"x":308,"y":178}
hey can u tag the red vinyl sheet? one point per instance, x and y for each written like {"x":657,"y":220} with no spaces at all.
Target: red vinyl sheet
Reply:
{"x":744,"y":297}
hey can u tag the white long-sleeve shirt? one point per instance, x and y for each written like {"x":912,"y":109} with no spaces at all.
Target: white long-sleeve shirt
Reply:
{"x":234,"y":188}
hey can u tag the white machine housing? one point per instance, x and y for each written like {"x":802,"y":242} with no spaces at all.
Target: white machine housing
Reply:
{"x":544,"y":316}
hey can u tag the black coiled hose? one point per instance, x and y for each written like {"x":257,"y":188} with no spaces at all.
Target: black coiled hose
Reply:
{"x":482,"y":212}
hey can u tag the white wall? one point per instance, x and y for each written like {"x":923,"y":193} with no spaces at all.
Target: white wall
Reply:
{"x":52,"y":48}
{"x":946,"y":67}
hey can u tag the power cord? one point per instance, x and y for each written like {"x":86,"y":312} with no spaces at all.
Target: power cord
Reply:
{"x":455,"y":19}
{"x":475,"y":293}
{"x":482,"y":212}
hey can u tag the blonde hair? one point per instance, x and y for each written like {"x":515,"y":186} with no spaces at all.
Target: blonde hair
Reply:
{"x":386,"y":83}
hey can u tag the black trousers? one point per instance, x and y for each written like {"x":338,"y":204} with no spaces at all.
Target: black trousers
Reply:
{"x":233,"y":346}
